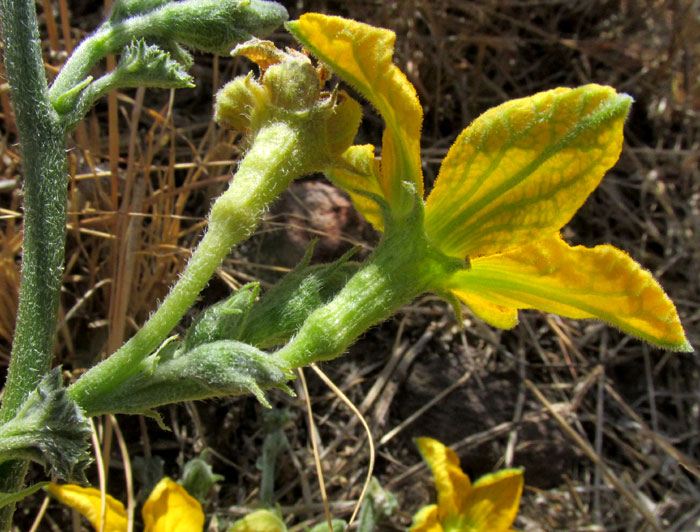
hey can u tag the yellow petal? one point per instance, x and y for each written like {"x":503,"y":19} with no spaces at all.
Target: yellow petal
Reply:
{"x":89,"y":503}
{"x":362,"y":56}
{"x":358,"y":176}
{"x":426,"y":520}
{"x":170,"y":508}
{"x":493,"y":314}
{"x":522,"y":169}
{"x":578,"y":282}
{"x":493,"y":502}
{"x":451,"y":483}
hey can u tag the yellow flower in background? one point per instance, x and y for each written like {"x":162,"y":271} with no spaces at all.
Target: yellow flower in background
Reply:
{"x":169,"y":508}
{"x":488,"y":505}
{"x":509,"y":183}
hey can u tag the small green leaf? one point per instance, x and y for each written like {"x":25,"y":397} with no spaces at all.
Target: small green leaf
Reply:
{"x":224,"y":320}
{"x":140,"y":65}
{"x":217,"y":369}
{"x":198,"y":478}
{"x":214,"y":26}
{"x":147,"y":65}
{"x":282,"y":311}
{"x":378,"y":505}
{"x":12,"y":498}
{"x":49,"y":428}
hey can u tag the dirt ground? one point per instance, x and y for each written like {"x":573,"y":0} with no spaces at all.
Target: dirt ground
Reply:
{"x":606,"y":427}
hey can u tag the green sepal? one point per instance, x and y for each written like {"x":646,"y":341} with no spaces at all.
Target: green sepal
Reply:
{"x":198,"y":478}
{"x":12,"y":498}
{"x":225,"y":320}
{"x":217,"y":369}
{"x":284,"y":308}
{"x":51,"y":429}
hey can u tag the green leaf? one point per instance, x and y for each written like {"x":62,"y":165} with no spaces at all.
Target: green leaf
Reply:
{"x":140,"y":65}
{"x":147,"y":65}
{"x":224,"y":320}
{"x":12,"y":498}
{"x":378,"y":505}
{"x":198,"y":478}
{"x":49,"y":428}
{"x":217,"y":369}
{"x":282,"y":311}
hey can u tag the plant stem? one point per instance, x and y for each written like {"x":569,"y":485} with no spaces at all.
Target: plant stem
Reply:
{"x":403,"y":266}
{"x":42,"y":141}
{"x":265,"y":171}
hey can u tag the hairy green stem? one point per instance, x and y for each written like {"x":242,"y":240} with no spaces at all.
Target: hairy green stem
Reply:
{"x":265,"y":171}
{"x":44,"y":171}
{"x":207,"y":25}
{"x":404,"y":265}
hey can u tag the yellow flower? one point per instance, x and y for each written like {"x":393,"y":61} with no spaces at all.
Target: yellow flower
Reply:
{"x":488,"y":505}
{"x":169,"y":508}
{"x":509,"y":183}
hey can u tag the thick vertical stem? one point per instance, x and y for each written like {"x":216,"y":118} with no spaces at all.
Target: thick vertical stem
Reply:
{"x":44,"y":167}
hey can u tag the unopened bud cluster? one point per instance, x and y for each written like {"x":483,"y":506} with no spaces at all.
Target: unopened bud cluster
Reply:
{"x":290,"y":90}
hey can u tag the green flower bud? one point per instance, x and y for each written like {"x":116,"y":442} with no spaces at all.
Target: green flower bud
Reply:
{"x":259,"y":521}
{"x":198,"y":478}
{"x":215,"y":26}
{"x":293,"y":84}
{"x":290,"y":91}
{"x":237,"y":102}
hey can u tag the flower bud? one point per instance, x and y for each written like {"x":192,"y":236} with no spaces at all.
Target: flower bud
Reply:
{"x":259,"y":521}
{"x":215,"y":26}
{"x":237,"y":102}
{"x":293,"y":84}
{"x":290,"y":91}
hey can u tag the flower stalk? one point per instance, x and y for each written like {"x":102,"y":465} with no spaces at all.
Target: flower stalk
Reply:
{"x":267,"y":168}
{"x":403,"y":266}
{"x":286,"y":142}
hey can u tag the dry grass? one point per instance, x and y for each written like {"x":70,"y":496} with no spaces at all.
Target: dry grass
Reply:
{"x":607,"y":428}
